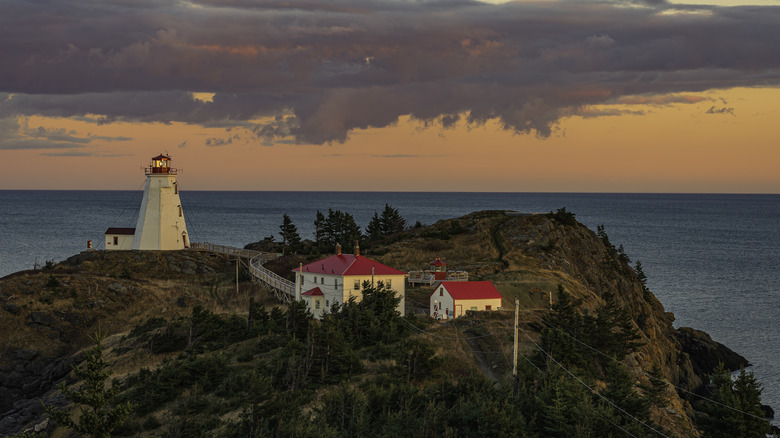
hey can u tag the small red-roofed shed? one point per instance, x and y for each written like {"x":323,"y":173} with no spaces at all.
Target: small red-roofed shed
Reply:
{"x":119,"y":238}
{"x":452,"y":299}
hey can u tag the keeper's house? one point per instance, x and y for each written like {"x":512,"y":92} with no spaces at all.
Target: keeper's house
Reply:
{"x":340,"y":277}
{"x":452,"y":299}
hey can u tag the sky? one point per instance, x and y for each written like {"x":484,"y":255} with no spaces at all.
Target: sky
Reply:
{"x":393,"y":95}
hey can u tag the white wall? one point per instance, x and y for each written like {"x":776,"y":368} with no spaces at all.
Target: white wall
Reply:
{"x":160,"y":219}
{"x":441,"y":303}
{"x":339,"y":289}
{"x":124,"y":242}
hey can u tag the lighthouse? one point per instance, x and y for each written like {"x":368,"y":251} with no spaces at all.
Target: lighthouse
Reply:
{"x":160,"y":223}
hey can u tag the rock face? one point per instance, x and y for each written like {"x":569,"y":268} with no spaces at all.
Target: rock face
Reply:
{"x":46,"y":317}
{"x":529,"y":255}
{"x":705,"y":353}
{"x":526,"y":256}
{"x":26,"y":377}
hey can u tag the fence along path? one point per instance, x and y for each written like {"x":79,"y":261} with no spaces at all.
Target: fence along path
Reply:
{"x":283,"y":288}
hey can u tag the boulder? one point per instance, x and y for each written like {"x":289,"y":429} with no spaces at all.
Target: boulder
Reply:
{"x":42,"y":318}
{"x":12,"y":308}
{"x":706,"y":354}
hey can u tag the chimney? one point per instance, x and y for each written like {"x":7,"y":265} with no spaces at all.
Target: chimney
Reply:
{"x":338,"y":249}
{"x":357,"y":249}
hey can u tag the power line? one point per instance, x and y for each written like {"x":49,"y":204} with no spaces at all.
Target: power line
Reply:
{"x":592,"y":390}
{"x":646,"y":373}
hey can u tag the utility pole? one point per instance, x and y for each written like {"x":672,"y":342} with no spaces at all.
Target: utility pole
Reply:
{"x":514,"y":356}
{"x":300,"y":283}
{"x":238,"y":259}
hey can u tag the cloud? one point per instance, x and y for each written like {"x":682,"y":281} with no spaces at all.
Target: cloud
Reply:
{"x":306,"y":71}
{"x":16,"y":134}
{"x":722,"y":110}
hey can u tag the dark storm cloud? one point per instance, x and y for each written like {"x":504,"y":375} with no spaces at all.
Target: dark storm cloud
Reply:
{"x":315,"y":70}
{"x":16,"y":135}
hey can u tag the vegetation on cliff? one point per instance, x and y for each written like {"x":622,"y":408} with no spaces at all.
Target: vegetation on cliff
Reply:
{"x":197,"y":356}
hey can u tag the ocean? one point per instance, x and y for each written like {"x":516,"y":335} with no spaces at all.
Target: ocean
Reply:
{"x":712,"y":260}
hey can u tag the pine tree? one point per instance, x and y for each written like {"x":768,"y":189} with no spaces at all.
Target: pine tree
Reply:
{"x":320,"y":230}
{"x":391,"y":221}
{"x":374,"y":229}
{"x":97,"y":417}
{"x":737,"y":408}
{"x":289,"y":232}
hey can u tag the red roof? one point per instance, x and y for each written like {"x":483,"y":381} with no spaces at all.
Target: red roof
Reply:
{"x":348,"y":264}
{"x":120,"y":231}
{"x":312,"y":292}
{"x":471,"y":290}
{"x":438,"y":262}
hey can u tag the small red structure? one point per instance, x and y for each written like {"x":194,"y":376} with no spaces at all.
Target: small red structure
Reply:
{"x":439,"y":269}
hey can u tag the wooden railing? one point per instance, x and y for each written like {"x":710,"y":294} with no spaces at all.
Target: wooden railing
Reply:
{"x":428,"y":277}
{"x":285,"y":289}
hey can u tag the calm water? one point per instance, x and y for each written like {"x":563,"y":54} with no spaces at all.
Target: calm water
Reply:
{"x":712,"y":260}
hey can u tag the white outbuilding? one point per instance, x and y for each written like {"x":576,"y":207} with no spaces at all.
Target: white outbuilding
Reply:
{"x":119,"y":238}
{"x":452,"y":299}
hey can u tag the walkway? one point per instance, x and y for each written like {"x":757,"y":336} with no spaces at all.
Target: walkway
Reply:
{"x":254,"y":261}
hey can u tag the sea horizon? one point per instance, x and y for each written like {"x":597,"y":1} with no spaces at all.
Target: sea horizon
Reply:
{"x":709,"y":258}
{"x":417,"y":191}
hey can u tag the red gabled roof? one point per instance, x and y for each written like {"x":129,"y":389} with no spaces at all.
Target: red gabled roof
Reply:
{"x":120,"y":231}
{"x":348,"y":264}
{"x":313,"y":292}
{"x":471,"y":290}
{"x":438,"y":262}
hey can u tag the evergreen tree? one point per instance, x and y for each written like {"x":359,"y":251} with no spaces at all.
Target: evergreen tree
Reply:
{"x":320,"y":230}
{"x":737,"y":408}
{"x":374,"y":229}
{"x":391,"y":221}
{"x":290,"y":238}
{"x":97,"y":416}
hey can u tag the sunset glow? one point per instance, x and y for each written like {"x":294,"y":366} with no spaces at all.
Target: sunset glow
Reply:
{"x":513,"y":96}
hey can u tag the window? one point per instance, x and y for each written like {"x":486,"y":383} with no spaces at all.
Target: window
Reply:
{"x":317,"y":304}
{"x":180,"y":211}
{"x":441,"y":292}
{"x":336,"y":282}
{"x":357,"y":285}
{"x":474,"y":308}
{"x":327,"y":303}
{"x":315,"y":280}
{"x":488,"y":307}
{"x":322,"y":280}
{"x":116,"y":240}
{"x":175,"y":188}
{"x":389,"y":283}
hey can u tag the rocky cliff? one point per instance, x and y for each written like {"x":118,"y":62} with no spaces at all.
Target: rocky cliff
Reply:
{"x":47,"y":314}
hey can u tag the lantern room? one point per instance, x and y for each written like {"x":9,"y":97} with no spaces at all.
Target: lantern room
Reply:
{"x":439,"y":269}
{"x":161,"y":164}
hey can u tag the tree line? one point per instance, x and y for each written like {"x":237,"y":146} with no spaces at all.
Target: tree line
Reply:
{"x":364,"y":370}
{"x":338,"y":227}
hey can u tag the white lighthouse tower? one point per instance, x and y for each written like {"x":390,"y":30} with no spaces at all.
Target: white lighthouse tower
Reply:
{"x":160,"y":223}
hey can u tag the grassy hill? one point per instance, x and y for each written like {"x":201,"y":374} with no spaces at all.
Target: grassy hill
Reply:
{"x":198,"y":357}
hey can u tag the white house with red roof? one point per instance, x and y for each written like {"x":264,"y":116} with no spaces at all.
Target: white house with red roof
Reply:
{"x":452,"y":299}
{"x":340,"y":277}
